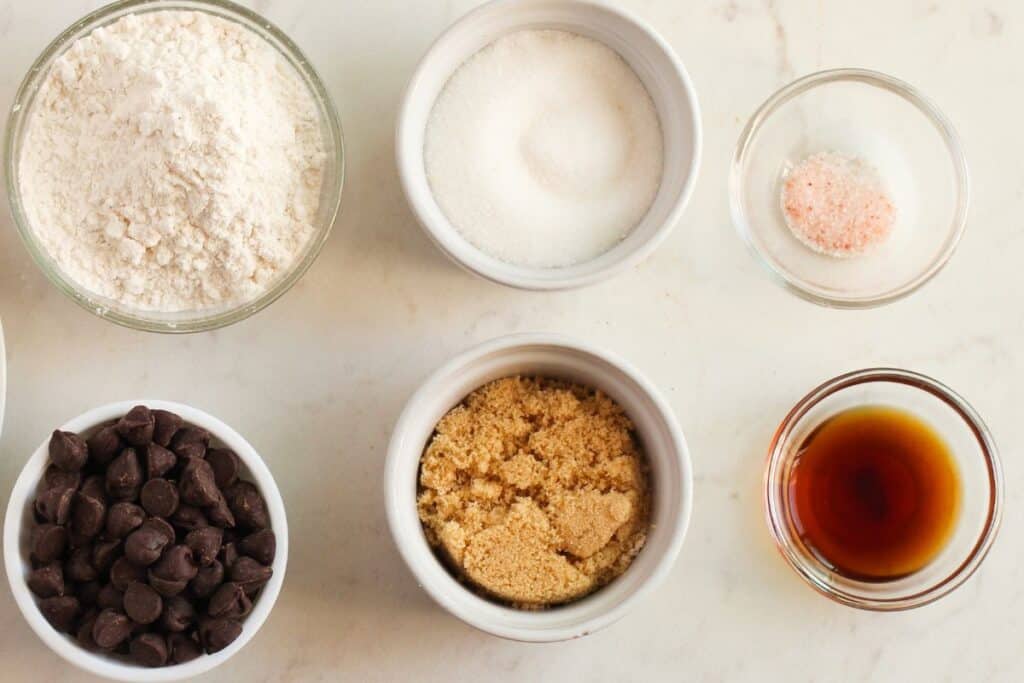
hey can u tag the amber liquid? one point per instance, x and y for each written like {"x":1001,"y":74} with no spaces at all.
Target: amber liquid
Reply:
{"x":874,"y":493}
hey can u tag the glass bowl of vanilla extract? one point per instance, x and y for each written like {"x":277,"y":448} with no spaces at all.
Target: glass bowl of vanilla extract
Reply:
{"x":883,"y":489}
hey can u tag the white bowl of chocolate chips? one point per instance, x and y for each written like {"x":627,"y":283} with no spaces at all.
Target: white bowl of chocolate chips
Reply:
{"x":145,"y":541}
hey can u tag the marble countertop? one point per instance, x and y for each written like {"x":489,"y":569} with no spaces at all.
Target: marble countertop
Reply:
{"x":316,"y":381}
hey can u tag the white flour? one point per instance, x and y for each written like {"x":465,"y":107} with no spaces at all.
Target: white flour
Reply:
{"x":544,"y":149}
{"x":173,"y":161}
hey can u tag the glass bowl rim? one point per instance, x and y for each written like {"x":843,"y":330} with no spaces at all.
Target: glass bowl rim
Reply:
{"x":900,"y":88}
{"x":774,"y":507}
{"x":142,"y":320}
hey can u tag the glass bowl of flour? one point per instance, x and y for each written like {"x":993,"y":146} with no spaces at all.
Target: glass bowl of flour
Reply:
{"x":173,"y":165}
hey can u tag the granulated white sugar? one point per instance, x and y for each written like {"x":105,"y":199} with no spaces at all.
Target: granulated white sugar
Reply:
{"x":544,"y":149}
{"x":837,"y":205}
{"x":173,"y":161}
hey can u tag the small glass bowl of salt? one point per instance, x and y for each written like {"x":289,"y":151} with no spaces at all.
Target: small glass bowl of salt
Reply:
{"x":850,"y":187}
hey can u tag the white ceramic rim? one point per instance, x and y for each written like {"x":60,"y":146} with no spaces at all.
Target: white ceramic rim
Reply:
{"x":459,"y":250}
{"x":103,"y":665}
{"x":485,"y":615}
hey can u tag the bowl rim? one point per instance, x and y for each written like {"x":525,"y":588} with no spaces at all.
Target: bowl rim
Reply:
{"x":423,"y":563}
{"x":472,"y":259}
{"x":777,"y":457}
{"x":100,"y":664}
{"x":897,"y":87}
{"x":19,"y":115}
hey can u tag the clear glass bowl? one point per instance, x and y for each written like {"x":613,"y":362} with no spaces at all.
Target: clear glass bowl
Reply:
{"x":890,"y":125}
{"x":976,"y":458}
{"x":184,"y":321}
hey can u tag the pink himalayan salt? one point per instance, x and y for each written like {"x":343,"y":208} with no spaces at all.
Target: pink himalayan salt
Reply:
{"x":837,"y":205}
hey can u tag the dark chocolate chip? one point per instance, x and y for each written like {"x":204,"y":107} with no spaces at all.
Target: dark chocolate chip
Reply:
{"x":149,"y":649}
{"x":104,"y":552}
{"x":56,"y":478}
{"x":159,"y":497}
{"x":197,"y":483}
{"x":261,"y":546}
{"x":184,"y":648}
{"x":47,"y":581}
{"x":166,"y":587}
{"x":176,"y":564}
{"x":247,"y":505}
{"x":94,"y":487}
{"x":178,"y":614}
{"x":137,"y":427}
{"x":49,"y":542}
{"x":228,"y":555}
{"x":124,"y":518}
{"x":217,"y":634}
{"x":68,"y":451}
{"x":250,"y":574}
{"x":159,"y":460}
{"x":123,"y":572}
{"x":189,"y":518}
{"x":207,"y":580}
{"x":144,"y":545}
{"x":229,"y":601}
{"x":111,"y":629}
{"x":84,"y":634}
{"x":54,"y":505}
{"x":163,"y":526}
{"x":124,"y":476}
{"x":110,"y":598}
{"x":61,"y":611}
{"x":142,"y":603}
{"x":167,"y":425}
{"x":192,"y":450}
{"x":225,"y":466}
{"x":88,"y":515}
{"x":219,"y":514}
{"x":79,"y":565}
{"x":205,"y":544}
{"x":190,"y":442}
{"x":104,"y":445}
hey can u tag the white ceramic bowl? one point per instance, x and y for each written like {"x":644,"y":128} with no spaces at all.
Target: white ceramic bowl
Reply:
{"x":553,"y":356}
{"x":16,"y":550}
{"x":650,"y":57}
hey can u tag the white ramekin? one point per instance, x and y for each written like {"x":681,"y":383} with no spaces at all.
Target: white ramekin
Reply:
{"x":646,"y":52}
{"x":555,"y":356}
{"x":16,"y":552}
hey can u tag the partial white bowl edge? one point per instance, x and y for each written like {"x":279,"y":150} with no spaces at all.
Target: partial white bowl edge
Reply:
{"x":16,"y":541}
{"x":547,"y":355}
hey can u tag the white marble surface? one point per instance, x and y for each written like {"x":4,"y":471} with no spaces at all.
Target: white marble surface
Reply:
{"x":316,"y":381}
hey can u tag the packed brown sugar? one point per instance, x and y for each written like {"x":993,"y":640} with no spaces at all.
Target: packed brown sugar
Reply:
{"x":535,"y":491}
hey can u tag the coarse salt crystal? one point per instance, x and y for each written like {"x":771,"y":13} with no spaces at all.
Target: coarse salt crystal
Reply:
{"x":837,"y":205}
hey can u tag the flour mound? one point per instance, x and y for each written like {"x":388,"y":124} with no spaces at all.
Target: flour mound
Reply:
{"x":173,"y":161}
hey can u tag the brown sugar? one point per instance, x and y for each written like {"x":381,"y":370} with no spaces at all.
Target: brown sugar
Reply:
{"x":535,"y":491}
